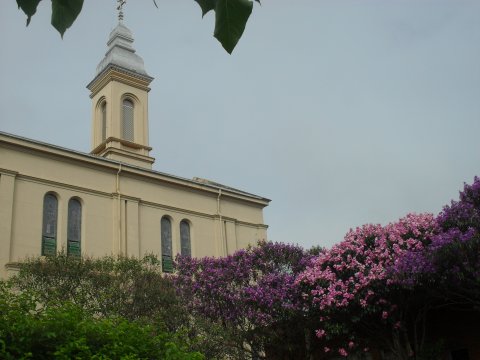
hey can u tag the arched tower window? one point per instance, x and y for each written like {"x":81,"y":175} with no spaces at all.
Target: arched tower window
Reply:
{"x":74,"y":232}
{"x":127,"y":120}
{"x":167,"y":253}
{"x":104,"y":120}
{"x":185,"y":243}
{"x":49,"y":229}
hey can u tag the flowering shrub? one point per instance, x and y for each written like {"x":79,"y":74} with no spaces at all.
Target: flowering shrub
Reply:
{"x":465,"y":213}
{"x":351,"y":283}
{"x":252,"y":290}
{"x":450,"y":265}
{"x":256,"y":285}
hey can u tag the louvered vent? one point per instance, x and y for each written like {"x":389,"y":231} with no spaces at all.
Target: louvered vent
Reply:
{"x":127,"y":120}
{"x":104,"y":121}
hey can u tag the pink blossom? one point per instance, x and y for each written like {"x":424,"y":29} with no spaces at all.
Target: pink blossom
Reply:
{"x":342,"y":352}
{"x":356,"y":273}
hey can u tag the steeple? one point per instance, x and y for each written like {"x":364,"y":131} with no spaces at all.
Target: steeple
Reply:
{"x":119,"y":94}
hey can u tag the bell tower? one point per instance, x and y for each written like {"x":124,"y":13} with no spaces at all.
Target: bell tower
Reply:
{"x":119,"y":94}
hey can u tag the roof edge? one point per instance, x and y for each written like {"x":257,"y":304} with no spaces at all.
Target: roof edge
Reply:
{"x":100,"y":161}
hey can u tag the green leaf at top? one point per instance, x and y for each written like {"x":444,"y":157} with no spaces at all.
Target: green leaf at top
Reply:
{"x":230,"y":19}
{"x":64,"y":13}
{"x":206,"y":5}
{"x":29,"y":7}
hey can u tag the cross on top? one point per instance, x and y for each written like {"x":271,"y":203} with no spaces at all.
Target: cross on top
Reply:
{"x":120,"y":9}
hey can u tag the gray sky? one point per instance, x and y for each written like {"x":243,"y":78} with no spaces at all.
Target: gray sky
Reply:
{"x":341,"y":112}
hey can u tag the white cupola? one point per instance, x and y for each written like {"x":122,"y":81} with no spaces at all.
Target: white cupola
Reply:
{"x":119,"y":94}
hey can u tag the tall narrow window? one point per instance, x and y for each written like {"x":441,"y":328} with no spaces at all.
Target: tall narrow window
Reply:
{"x":127,"y":120}
{"x":74,"y":232}
{"x":104,"y":120}
{"x":49,"y":231}
{"x":167,"y":253}
{"x":185,"y":244}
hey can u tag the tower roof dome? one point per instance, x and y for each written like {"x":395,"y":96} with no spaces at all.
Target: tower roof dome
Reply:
{"x":121,"y":52}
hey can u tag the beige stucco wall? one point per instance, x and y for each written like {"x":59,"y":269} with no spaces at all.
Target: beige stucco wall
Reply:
{"x":113,"y":93}
{"x":121,"y":205}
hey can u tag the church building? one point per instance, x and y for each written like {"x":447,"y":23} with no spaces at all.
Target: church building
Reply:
{"x":110,"y":201}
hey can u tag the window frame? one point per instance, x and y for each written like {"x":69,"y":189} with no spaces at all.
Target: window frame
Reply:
{"x":49,"y":237}
{"x":185,"y":249}
{"x":74,"y":227}
{"x":166,"y":244}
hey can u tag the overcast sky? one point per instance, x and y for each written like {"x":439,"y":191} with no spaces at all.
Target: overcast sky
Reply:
{"x":341,"y":112}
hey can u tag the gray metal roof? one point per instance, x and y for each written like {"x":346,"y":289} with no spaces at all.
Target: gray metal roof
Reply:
{"x":121,"y":52}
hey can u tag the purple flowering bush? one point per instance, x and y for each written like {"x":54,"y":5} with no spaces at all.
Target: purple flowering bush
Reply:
{"x":449,"y":267}
{"x":252,"y":292}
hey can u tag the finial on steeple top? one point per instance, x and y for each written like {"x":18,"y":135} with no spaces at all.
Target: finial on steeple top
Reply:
{"x":120,"y":9}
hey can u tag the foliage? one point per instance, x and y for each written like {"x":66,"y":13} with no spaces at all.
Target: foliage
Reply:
{"x":231,"y":16}
{"x":64,"y":12}
{"x":67,"y":332}
{"x":132,"y":288}
{"x":351,"y":286}
{"x":251,"y":293}
{"x":450,"y":266}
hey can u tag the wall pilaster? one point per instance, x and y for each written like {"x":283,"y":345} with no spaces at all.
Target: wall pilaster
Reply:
{"x":7,"y":193}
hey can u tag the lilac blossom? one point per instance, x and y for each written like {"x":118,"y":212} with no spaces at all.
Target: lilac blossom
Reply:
{"x":452,"y":258}
{"x":254,"y":287}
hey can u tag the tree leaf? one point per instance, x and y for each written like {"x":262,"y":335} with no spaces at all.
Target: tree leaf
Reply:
{"x":29,"y":7}
{"x":64,"y":13}
{"x":230,"y":19}
{"x":206,"y":5}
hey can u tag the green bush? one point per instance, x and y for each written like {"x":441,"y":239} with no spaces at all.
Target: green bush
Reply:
{"x":66,"y":331}
{"x":133,"y":289}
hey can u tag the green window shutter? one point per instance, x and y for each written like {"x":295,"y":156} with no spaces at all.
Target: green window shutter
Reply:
{"x":49,"y":246}
{"x":167,"y":263}
{"x":73,"y":248}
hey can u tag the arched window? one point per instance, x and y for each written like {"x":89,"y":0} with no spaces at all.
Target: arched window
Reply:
{"x":104,"y":120}
{"x":74,"y":230}
{"x":49,"y":229}
{"x":127,"y":120}
{"x":185,"y":244}
{"x":167,"y":253}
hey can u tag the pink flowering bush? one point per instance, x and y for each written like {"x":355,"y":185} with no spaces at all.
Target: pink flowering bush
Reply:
{"x":352,"y":287}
